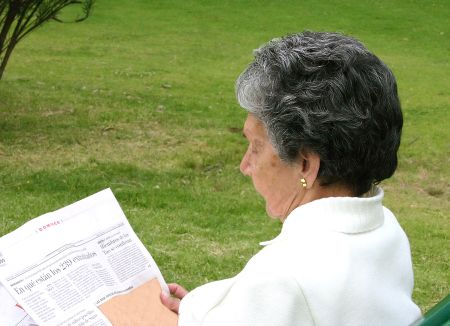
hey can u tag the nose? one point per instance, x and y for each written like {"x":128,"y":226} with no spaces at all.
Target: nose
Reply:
{"x":245,"y":164}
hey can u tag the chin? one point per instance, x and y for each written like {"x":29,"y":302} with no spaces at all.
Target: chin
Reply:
{"x":273,"y":214}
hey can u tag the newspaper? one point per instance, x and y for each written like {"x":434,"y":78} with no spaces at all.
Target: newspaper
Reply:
{"x":65,"y":267}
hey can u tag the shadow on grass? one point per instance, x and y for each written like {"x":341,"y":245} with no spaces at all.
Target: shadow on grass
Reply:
{"x":200,"y":202}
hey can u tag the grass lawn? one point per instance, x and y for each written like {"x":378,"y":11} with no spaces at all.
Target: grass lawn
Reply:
{"x":140,"y":98}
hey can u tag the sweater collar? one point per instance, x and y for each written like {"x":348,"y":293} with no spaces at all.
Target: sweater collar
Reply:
{"x":349,"y":215}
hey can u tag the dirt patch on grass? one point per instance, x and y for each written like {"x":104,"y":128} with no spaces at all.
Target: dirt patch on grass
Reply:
{"x":143,"y":146}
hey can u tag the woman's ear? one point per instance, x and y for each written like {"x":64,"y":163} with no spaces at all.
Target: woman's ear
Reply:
{"x":309,"y":165}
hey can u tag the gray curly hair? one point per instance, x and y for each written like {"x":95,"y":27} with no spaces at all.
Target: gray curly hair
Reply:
{"x":326,"y":93}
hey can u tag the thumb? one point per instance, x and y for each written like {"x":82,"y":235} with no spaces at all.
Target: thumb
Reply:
{"x":170,"y":302}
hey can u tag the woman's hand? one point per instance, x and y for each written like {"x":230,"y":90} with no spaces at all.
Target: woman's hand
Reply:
{"x":177,"y":293}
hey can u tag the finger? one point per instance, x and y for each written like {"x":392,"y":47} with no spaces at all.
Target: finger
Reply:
{"x":170,"y":302}
{"x":177,"y":290}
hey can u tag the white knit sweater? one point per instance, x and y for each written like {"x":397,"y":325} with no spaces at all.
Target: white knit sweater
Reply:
{"x":337,"y":261}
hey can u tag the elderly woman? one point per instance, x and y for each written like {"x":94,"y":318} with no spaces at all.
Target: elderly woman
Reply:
{"x":323,"y":126}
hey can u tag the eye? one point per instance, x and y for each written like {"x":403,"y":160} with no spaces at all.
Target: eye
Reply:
{"x":256,"y":146}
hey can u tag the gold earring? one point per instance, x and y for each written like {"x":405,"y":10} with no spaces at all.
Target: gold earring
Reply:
{"x":303,"y":182}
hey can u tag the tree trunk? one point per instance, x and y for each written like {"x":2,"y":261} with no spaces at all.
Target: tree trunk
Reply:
{"x":10,"y":16}
{"x":11,"y":45}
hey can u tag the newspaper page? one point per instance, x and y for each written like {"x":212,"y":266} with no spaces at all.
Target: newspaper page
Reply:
{"x":11,"y":313}
{"x":81,"y":265}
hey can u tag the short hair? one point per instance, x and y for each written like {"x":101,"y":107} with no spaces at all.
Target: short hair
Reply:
{"x":326,"y":93}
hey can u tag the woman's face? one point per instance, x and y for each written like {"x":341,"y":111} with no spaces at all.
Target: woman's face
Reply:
{"x":276,"y":181}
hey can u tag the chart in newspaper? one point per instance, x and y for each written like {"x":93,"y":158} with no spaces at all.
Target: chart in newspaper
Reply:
{"x":59,"y":268}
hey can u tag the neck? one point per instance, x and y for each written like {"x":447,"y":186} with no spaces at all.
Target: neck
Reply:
{"x":317,"y":191}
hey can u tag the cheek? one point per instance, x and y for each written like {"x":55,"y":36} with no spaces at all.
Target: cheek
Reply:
{"x":275,"y":180}
{"x":265,"y":174}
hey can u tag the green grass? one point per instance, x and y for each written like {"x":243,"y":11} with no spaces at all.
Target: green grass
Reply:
{"x":140,"y":98}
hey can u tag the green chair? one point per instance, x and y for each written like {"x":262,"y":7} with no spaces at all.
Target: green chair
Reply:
{"x":439,"y":315}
